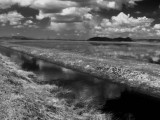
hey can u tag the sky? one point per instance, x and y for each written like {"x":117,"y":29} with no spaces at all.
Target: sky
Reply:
{"x":80,"y":19}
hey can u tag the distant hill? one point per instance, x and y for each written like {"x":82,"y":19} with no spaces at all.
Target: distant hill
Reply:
{"x":111,"y":39}
{"x":21,"y":38}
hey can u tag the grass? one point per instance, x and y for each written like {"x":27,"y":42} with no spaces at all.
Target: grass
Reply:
{"x":139,"y":75}
{"x":146,"y":52}
{"x":21,"y":98}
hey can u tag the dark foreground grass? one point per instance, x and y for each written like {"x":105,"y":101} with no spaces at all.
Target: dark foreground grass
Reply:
{"x":21,"y":98}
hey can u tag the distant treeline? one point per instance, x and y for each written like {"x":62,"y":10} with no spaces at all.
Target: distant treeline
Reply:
{"x":16,"y":38}
{"x":111,"y":39}
{"x":127,"y":39}
{"x":29,"y":38}
{"x":119,"y":39}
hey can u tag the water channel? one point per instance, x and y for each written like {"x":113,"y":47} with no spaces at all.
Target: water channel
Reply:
{"x":124,"y":103}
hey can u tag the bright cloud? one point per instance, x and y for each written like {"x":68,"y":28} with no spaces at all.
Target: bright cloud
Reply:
{"x":52,"y":4}
{"x":156,"y":26}
{"x":13,"y":18}
{"x":123,"y":25}
{"x":123,"y":19}
{"x":57,"y":26}
{"x":75,"y":11}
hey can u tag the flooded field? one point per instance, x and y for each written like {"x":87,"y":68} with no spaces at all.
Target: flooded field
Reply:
{"x":122,"y":102}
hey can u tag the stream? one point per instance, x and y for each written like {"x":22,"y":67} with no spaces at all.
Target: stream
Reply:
{"x":124,"y":103}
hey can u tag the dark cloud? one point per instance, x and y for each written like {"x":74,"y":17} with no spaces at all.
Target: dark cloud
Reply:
{"x":44,"y":22}
{"x":148,"y":8}
{"x":25,"y":11}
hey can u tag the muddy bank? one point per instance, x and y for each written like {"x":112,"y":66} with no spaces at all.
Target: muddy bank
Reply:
{"x":142,"y":77}
{"x":21,"y":98}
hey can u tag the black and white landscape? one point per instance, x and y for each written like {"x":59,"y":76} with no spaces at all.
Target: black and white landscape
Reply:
{"x":79,"y":59}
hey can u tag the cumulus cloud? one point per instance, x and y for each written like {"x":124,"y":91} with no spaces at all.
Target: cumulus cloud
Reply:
{"x":123,"y":25}
{"x":61,"y":11}
{"x":126,"y":20}
{"x":13,"y":18}
{"x":76,"y":15}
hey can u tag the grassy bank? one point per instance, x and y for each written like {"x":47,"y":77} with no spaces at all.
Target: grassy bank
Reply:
{"x":21,"y":98}
{"x":141,"y":76}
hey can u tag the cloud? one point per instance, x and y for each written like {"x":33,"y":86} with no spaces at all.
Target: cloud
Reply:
{"x":13,"y":18}
{"x":8,"y":3}
{"x":77,"y":15}
{"x":71,"y":14}
{"x":66,"y":10}
{"x":114,"y":4}
{"x":52,"y":5}
{"x":38,"y":4}
{"x":57,"y":26}
{"x":75,"y":11}
{"x":157,"y":26}
{"x":123,"y":25}
{"x":68,"y":19}
{"x":107,"y":4}
{"x":28,"y":22}
{"x":57,"y":5}
{"x":61,"y":27}
{"x":126,"y":20}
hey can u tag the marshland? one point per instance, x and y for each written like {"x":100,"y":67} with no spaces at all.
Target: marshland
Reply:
{"x":88,"y":80}
{"x":79,"y":59}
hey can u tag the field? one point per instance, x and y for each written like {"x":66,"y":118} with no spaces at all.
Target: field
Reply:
{"x":133,"y":65}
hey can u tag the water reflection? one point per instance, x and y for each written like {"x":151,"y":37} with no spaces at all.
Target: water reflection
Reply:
{"x":80,"y":84}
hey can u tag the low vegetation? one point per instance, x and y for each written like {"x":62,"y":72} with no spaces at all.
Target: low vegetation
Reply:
{"x":142,"y":76}
{"x":21,"y":98}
